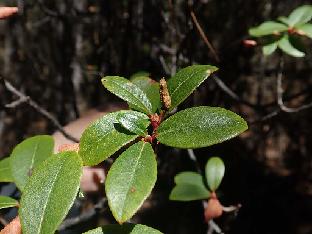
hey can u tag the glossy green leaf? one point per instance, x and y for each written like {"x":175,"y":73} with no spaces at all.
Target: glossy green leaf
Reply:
{"x":28,"y":155}
{"x":130,"y":180}
{"x":124,"y":229}
{"x":5,"y":170}
{"x":270,"y":48}
{"x":7,"y":202}
{"x":129,"y":92}
{"x":283,"y":19}
{"x":285,"y":45}
{"x":214,"y":172}
{"x":306,"y":29}
{"x":189,"y":186}
{"x":300,"y":15}
{"x":267,"y":28}
{"x":135,"y":122}
{"x":103,"y":138}
{"x":182,"y":84}
{"x":50,"y":193}
{"x":199,"y":127}
{"x":151,"y":89}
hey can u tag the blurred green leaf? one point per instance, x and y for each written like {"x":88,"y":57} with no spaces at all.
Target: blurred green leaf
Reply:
{"x":28,"y":155}
{"x":130,"y":180}
{"x":7,"y":202}
{"x":5,"y":170}
{"x":300,"y":15}
{"x":283,"y":19}
{"x":103,"y":138}
{"x":269,"y":48}
{"x":151,"y":89}
{"x":189,"y":186}
{"x":214,"y":172}
{"x":267,"y":28}
{"x":182,"y":84}
{"x":135,"y":122}
{"x":139,"y":74}
{"x":288,"y":48}
{"x":199,"y":127}
{"x":129,"y":92}
{"x":50,"y":193}
{"x":306,"y":29}
{"x":124,"y":229}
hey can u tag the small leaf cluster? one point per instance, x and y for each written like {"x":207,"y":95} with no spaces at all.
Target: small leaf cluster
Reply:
{"x":191,"y":186}
{"x":285,"y":33}
{"x":133,"y":174}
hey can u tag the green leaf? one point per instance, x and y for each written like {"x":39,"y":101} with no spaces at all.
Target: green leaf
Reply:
{"x":269,"y":48}
{"x":139,"y":74}
{"x":28,"y":155}
{"x":151,"y":89}
{"x":7,"y":202}
{"x":189,"y":187}
{"x":306,"y":29}
{"x":199,"y":127}
{"x":182,"y":84}
{"x":130,"y":180}
{"x":5,"y":170}
{"x":135,"y":122}
{"x":124,"y":229}
{"x":50,"y":193}
{"x":129,"y":92}
{"x":283,"y":19}
{"x":300,"y":15}
{"x":268,"y":28}
{"x":103,"y":138}
{"x":214,"y":172}
{"x":285,"y":45}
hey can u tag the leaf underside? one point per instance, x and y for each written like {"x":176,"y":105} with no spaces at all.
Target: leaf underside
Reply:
{"x":214,"y":171}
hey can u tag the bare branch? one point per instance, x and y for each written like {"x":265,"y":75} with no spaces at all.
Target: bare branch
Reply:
{"x":26,"y":99}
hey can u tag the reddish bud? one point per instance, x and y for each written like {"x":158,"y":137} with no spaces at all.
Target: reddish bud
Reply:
{"x":249,"y":43}
{"x":6,"y":12}
{"x":214,"y":209}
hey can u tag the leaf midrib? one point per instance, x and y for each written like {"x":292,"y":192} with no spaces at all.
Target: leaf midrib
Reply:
{"x":132,"y":178}
{"x":50,"y":192}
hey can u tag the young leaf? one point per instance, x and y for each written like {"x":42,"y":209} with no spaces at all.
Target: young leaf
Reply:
{"x":269,"y":48}
{"x":285,"y":45}
{"x":214,"y":172}
{"x":124,"y":229}
{"x":5,"y":170}
{"x":150,"y":88}
{"x":182,"y":84}
{"x":103,"y":138}
{"x":306,"y":29}
{"x":283,"y":19}
{"x":129,"y":92}
{"x":135,"y":122}
{"x":6,"y":202}
{"x":130,"y":180}
{"x":300,"y":15}
{"x":189,"y":187}
{"x":267,"y":28}
{"x":28,"y":155}
{"x":50,"y":193}
{"x":199,"y":127}
{"x":139,"y":74}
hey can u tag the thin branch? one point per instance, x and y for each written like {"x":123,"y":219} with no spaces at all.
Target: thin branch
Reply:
{"x":204,"y":37}
{"x":26,"y":99}
{"x":280,"y":101}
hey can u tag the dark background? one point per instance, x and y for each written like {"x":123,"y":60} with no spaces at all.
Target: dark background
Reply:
{"x":56,"y":52}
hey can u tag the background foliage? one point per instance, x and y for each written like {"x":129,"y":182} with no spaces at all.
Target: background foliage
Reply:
{"x":55,"y":50}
